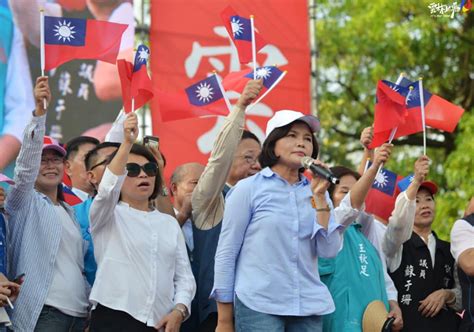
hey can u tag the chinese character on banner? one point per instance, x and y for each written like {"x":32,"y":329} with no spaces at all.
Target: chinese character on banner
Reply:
{"x":191,"y":48}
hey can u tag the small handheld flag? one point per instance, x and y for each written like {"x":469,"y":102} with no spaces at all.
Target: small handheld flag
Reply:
{"x":136,"y":85}
{"x":240,"y":31}
{"x":66,"y":39}
{"x":204,"y":92}
{"x":270,"y":75}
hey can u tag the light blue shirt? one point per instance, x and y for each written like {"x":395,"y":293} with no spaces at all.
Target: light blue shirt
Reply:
{"x":269,"y":246}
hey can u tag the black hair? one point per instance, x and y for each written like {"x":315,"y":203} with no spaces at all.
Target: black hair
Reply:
{"x":91,"y":157}
{"x":140,"y":150}
{"x":339,"y":172}
{"x":74,"y":144}
{"x":268,"y":158}
{"x":249,"y":135}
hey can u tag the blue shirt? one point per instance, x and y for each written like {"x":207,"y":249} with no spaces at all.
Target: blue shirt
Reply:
{"x":82,"y":216}
{"x":269,"y":246}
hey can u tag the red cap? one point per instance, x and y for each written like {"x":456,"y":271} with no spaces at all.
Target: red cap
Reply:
{"x":430,"y":186}
{"x":51,"y":144}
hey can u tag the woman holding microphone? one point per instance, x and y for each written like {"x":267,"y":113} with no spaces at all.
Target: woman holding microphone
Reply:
{"x":276,"y":225}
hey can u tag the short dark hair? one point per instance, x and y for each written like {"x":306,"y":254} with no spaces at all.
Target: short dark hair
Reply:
{"x":249,"y":135}
{"x":140,"y":150}
{"x":91,"y":157}
{"x":268,"y":158}
{"x":339,"y":172}
{"x":74,"y":144}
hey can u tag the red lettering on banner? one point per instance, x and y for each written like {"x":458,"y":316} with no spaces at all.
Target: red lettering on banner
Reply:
{"x":189,"y":41}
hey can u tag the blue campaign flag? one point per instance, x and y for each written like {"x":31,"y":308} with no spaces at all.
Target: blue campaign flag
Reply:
{"x":204,"y":92}
{"x":64,"y":31}
{"x":405,"y":182}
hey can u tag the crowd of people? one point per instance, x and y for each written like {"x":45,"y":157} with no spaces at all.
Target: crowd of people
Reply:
{"x":248,"y":242}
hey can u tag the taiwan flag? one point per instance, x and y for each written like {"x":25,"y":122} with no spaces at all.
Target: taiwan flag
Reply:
{"x":439,"y":113}
{"x":380,"y":200}
{"x":66,"y":39}
{"x":70,"y":197}
{"x":236,"y":81}
{"x":135,"y":81}
{"x":405,"y":182}
{"x":240,"y":31}
{"x":205,"y":92}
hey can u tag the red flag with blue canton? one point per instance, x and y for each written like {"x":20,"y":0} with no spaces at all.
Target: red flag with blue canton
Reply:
{"x":380,"y":200}
{"x":240,"y":31}
{"x":66,"y":39}
{"x":135,"y":81}
{"x":236,"y":81}
{"x":439,"y":113}
{"x":70,"y":197}
{"x":405,"y":182}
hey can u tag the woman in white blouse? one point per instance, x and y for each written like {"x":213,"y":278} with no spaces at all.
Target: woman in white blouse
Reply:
{"x":144,"y":279}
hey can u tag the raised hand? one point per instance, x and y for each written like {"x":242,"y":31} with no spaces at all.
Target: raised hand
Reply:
{"x":250,"y":93}
{"x":41,"y":93}
{"x":130,"y":128}
{"x":366,"y":136}
{"x":382,"y":154}
{"x":422,"y":167}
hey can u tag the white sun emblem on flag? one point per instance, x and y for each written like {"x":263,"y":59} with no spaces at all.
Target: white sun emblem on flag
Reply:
{"x":65,"y":31}
{"x":204,"y":92}
{"x":394,"y":88}
{"x":264,"y":72}
{"x":143,"y":55}
{"x":381,"y":180}
{"x":237,"y":26}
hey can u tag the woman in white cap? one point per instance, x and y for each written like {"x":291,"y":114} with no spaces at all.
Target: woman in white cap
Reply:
{"x":45,"y":238}
{"x":276,"y":224}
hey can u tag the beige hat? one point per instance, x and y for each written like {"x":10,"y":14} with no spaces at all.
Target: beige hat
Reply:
{"x":375,"y":318}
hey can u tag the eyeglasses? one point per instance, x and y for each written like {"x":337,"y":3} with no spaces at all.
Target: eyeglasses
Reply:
{"x":250,"y":160}
{"x":134,"y":169}
{"x":53,"y":160}
{"x":103,"y":162}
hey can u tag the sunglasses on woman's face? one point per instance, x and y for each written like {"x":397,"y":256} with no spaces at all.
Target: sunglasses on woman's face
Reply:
{"x":134,"y":169}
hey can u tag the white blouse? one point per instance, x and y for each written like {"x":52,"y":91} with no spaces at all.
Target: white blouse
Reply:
{"x":143,"y":267}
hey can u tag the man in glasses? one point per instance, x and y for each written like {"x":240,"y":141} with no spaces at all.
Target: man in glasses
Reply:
{"x":76,"y":150}
{"x":233,"y":157}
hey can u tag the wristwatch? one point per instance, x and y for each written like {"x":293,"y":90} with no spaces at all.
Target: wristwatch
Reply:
{"x":184,"y":311}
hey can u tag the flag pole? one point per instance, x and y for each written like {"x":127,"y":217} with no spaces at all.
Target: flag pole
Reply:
{"x":422,"y":104}
{"x":254,"y":47}
{"x":45,"y":105}
{"x":267,"y":92}
{"x":227,"y":102}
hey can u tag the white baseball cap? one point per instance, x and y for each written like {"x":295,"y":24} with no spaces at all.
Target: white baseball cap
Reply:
{"x":284,"y":117}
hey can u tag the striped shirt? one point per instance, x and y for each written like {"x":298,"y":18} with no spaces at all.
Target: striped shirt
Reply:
{"x":34,"y":230}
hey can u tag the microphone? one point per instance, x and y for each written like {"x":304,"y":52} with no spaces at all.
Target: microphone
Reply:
{"x":307,"y":162}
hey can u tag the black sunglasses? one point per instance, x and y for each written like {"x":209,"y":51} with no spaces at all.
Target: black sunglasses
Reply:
{"x":133,"y":169}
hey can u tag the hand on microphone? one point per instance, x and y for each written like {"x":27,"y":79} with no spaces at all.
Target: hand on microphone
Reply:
{"x":319,"y":186}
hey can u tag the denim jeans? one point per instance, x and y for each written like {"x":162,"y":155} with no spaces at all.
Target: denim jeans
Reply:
{"x":247,"y":319}
{"x":53,"y":320}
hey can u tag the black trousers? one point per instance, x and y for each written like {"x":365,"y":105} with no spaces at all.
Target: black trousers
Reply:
{"x":104,"y":319}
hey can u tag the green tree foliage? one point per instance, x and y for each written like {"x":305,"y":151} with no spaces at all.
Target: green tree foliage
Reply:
{"x":360,"y":42}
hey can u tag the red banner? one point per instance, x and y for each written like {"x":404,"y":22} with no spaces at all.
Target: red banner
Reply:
{"x":189,"y":41}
